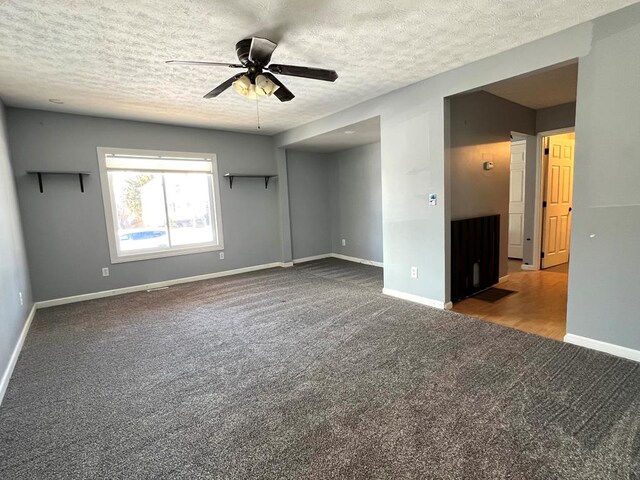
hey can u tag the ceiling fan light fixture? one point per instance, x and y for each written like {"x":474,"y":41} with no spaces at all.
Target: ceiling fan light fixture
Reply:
{"x":265,"y":87}
{"x":245,"y":88}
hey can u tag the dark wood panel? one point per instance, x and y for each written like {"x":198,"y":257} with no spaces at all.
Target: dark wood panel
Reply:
{"x":475,"y":255}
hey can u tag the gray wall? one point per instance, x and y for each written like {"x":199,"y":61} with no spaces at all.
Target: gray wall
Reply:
{"x":14,"y":276}
{"x":481,"y":126}
{"x":356,"y":193}
{"x":552,"y":118}
{"x":65,"y":229}
{"x":412,"y":139}
{"x":604,"y":278}
{"x":309,"y":203}
{"x":334,"y":196}
{"x":414,"y":132}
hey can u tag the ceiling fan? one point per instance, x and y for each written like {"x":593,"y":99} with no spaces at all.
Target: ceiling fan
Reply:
{"x":254,"y":55}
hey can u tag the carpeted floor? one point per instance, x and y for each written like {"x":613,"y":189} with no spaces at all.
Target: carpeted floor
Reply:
{"x":308,"y":373}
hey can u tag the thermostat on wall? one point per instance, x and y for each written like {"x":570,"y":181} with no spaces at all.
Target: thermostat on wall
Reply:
{"x":487,"y":165}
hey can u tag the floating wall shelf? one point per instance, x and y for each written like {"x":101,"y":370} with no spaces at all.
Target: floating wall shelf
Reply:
{"x":39,"y":173}
{"x":231,"y":176}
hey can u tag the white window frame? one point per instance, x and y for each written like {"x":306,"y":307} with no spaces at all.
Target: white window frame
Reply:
{"x":108,"y":202}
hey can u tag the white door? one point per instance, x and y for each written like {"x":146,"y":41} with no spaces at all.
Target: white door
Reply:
{"x":558,"y":196}
{"x":516,"y":199}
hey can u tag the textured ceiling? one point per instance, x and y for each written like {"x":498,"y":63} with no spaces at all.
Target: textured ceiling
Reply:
{"x":350,"y":136}
{"x":542,"y":89}
{"x":106,"y":57}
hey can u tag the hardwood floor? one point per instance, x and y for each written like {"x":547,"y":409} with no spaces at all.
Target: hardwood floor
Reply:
{"x":539,"y":306}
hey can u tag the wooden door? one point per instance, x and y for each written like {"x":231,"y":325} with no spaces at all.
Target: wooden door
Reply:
{"x":516,"y":199}
{"x":558,"y":197}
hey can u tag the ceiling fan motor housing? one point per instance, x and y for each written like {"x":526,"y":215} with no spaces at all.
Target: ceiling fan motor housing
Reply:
{"x":242,"y":50}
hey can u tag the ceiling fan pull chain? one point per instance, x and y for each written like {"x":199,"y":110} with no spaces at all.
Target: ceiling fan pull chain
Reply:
{"x":258,"y":110}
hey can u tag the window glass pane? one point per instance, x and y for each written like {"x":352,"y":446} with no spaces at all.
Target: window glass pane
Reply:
{"x":140,"y":216}
{"x":189,"y":208}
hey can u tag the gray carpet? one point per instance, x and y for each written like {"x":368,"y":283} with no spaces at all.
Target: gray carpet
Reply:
{"x":308,"y":373}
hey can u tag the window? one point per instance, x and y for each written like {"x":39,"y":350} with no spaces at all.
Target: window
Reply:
{"x":160,"y":204}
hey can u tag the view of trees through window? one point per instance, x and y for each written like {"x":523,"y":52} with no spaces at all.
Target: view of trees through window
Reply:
{"x":161,"y":210}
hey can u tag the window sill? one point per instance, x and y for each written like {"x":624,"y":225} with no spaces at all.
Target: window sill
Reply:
{"x":135,"y":257}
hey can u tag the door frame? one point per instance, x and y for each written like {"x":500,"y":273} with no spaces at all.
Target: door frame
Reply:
{"x":538,"y":217}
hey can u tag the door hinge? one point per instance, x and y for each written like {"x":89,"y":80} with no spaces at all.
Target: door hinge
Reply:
{"x":546,"y":151}
{"x":541,"y":254}
{"x":544,"y":204}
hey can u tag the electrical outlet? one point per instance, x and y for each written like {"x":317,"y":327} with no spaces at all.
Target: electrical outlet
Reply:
{"x":221,"y":255}
{"x":21,"y":299}
{"x":105,"y":272}
{"x":414,"y":272}
{"x":344,"y":242}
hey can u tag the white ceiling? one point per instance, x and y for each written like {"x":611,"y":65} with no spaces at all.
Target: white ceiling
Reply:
{"x":540,"y":89}
{"x":350,"y":136}
{"x":106,"y":57}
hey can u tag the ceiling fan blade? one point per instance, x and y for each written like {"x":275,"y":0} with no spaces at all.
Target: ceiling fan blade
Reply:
{"x":283,"y":93}
{"x":204,"y":64}
{"x":223,"y":86}
{"x":304,"y":72}
{"x":261,"y":50}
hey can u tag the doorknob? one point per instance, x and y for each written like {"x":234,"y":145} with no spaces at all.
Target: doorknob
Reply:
{"x":570,"y":208}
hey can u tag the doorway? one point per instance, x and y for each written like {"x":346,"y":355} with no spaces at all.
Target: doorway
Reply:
{"x":511,"y":147}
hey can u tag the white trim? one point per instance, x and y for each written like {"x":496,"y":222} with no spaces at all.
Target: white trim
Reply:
{"x":312,"y":258}
{"x":154,"y":285}
{"x":617,"y":350}
{"x":171,"y":252}
{"x":6,"y":376}
{"x":357,"y":260}
{"x":417,"y":299}
{"x":341,"y":257}
{"x":528,"y":267}
{"x":503,"y":279}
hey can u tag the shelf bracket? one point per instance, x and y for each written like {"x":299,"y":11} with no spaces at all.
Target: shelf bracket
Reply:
{"x":230,"y":182}
{"x":45,"y":172}
{"x":266,"y":181}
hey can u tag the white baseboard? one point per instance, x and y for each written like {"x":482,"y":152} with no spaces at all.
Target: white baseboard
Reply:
{"x":617,"y":350}
{"x":167,"y":283}
{"x":357,"y":260}
{"x":311,"y":259}
{"x":503,"y":279}
{"x":341,"y":257}
{"x":417,"y":299}
{"x":150,"y":286}
{"x":4,"y":381}
{"x":528,"y":267}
